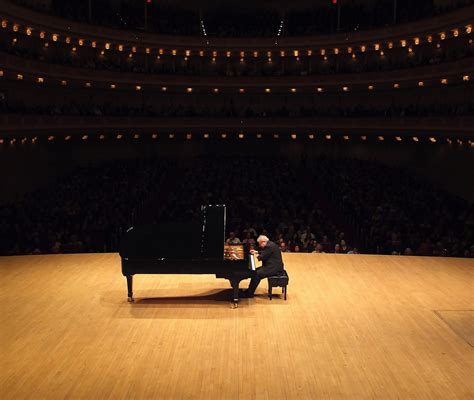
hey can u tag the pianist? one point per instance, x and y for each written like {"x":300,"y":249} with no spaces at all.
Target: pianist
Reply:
{"x":272,"y":263}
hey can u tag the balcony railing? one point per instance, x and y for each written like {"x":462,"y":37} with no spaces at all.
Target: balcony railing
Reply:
{"x":443,"y":127}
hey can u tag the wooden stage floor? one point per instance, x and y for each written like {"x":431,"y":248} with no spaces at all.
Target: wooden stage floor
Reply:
{"x":354,"y":327}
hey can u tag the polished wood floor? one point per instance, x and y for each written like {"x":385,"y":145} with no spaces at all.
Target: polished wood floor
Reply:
{"x":354,"y":327}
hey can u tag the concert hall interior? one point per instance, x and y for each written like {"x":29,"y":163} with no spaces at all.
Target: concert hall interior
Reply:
{"x":237,"y":200}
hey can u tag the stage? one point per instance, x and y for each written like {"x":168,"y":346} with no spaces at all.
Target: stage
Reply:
{"x":353,"y":327}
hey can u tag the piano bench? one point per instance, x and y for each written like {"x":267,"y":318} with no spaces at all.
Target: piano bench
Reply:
{"x":280,"y":280}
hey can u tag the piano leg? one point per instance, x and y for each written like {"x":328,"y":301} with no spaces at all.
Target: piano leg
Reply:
{"x":235,"y":292}
{"x":130,"y":287}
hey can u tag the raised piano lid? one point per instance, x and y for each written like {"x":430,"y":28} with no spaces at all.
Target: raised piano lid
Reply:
{"x":170,"y":241}
{"x":178,"y":241}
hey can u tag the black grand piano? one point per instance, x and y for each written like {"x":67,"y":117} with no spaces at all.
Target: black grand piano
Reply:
{"x":186,"y":248}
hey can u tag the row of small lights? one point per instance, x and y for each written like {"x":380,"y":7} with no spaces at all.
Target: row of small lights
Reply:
{"x":443,"y":81}
{"x":403,"y":43}
{"x":241,"y":135}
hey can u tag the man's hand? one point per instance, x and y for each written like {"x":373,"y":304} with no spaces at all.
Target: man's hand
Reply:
{"x":253,"y":251}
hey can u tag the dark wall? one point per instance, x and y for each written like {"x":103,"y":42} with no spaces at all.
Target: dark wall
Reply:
{"x":26,"y":167}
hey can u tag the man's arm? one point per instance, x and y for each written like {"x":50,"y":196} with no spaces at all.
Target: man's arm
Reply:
{"x":265,"y":254}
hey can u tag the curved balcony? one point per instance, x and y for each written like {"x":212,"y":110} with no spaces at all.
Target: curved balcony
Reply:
{"x":17,"y":68}
{"x":32,"y":23}
{"x":16,"y":126}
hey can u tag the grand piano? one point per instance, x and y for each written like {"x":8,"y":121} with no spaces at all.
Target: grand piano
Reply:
{"x":186,"y":248}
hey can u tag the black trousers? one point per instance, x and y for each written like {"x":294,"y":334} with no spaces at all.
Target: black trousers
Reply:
{"x":257,"y":276}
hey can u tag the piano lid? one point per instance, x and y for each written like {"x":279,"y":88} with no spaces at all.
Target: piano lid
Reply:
{"x":178,"y":241}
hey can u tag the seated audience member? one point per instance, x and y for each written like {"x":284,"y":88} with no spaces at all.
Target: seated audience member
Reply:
{"x":309,"y":246}
{"x":319,"y":248}
{"x":326,"y":244}
{"x":344,"y":248}
{"x":284,"y":248}
{"x":249,"y":240}
{"x":232,"y":239}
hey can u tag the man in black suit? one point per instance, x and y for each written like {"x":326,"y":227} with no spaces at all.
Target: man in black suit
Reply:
{"x":272,"y":263}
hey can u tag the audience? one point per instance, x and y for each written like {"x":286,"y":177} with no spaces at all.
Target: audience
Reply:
{"x":227,"y":109}
{"x":395,"y":212}
{"x":425,"y":54}
{"x":82,"y":212}
{"x":88,"y":210}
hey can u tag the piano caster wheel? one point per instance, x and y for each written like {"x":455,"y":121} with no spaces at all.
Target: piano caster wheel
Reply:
{"x":235,"y":305}
{"x":131,"y":299}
